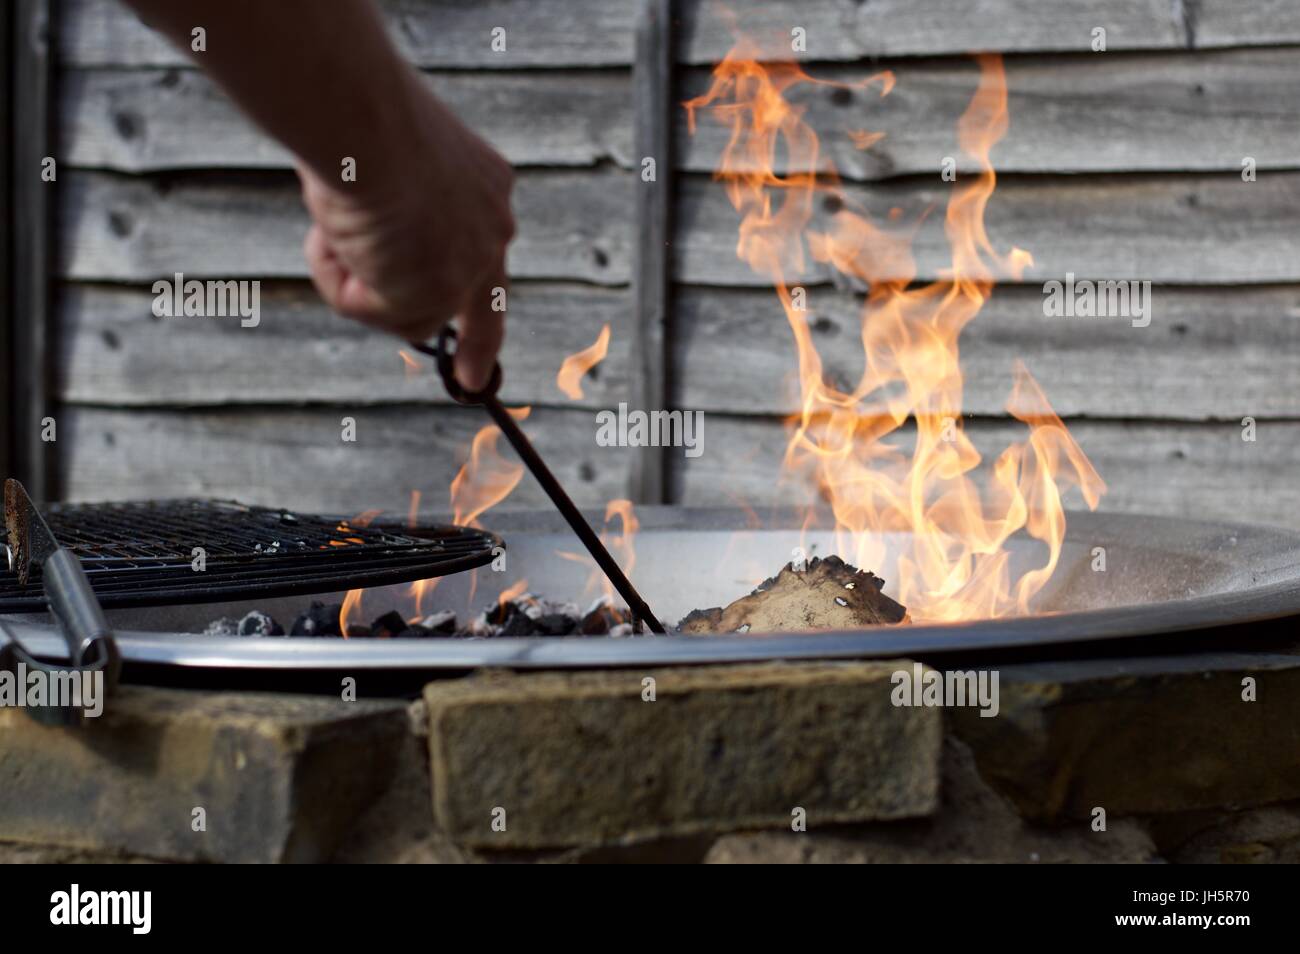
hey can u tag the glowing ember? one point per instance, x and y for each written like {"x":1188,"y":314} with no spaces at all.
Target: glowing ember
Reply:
{"x":954,"y":520}
{"x":569,"y":380}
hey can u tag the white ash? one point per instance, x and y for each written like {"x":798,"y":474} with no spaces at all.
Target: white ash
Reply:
{"x":225,"y":626}
{"x":257,"y":623}
{"x":438,"y":619}
{"x":535,"y":608}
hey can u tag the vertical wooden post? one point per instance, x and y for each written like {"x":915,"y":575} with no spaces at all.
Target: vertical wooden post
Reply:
{"x":650,"y":390}
{"x":32,"y":141}
{"x":6,"y":243}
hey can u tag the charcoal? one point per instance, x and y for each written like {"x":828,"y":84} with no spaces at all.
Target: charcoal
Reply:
{"x":258,"y":623}
{"x":319,"y":620}
{"x":516,"y":622}
{"x":388,"y":625}
{"x":442,"y":623}
{"x":556,"y":624}
{"x":601,"y":618}
{"x":415,"y":631}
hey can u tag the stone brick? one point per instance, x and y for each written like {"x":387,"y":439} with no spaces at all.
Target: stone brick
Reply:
{"x":279,"y":777}
{"x":1141,"y":736}
{"x":1267,"y":835}
{"x":974,"y":824}
{"x":580,"y":758}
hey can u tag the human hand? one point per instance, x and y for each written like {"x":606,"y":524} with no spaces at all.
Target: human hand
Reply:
{"x":407,"y":247}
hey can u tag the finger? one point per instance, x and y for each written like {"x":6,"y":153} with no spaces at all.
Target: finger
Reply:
{"x":327,"y":272}
{"x":342,"y":290}
{"x":482,"y":331}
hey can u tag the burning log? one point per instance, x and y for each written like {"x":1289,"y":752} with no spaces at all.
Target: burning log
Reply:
{"x":828,"y":594}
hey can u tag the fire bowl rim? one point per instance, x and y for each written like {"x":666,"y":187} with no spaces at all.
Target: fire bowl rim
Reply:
{"x":1109,"y":628}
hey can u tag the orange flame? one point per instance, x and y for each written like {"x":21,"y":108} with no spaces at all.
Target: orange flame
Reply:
{"x":486,"y":478}
{"x":411,"y":367}
{"x":955,"y":563}
{"x":621,"y":547}
{"x":569,"y":380}
{"x":351,"y":610}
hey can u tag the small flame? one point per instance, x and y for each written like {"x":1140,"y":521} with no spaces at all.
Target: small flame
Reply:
{"x":864,"y":139}
{"x":569,"y":380}
{"x":411,"y":367}
{"x":513,"y":591}
{"x":954,"y":563}
{"x":621,"y":547}
{"x":351,"y":612}
{"x":486,"y":478}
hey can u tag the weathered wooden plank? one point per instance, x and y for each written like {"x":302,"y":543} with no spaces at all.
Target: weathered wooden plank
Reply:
{"x":1071,"y":113}
{"x":444,"y":33}
{"x":1195,"y":228}
{"x":448,"y":33}
{"x":1204,"y":471}
{"x":114,"y":352}
{"x":1224,"y":23}
{"x":849,"y":30}
{"x":279,"y":457}
{"x":146,"y":119}
{"x":116,"y":228}
{"x":1208,"y":353}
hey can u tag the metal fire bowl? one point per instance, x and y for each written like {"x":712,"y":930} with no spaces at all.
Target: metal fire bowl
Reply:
{"x":1166,"y":582}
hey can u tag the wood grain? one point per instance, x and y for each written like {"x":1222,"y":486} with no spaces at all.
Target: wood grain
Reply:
{"x":296,"y":458}
{"x":550,"y":33}
{"x":1208,"y":353}
{"x":1205,"y":471}
{"x":1196,"y":228}
{"x":114,"y":352}
{"x":143,"y":120}
{"x":229,"y":225}
{"x":1068,"y":113}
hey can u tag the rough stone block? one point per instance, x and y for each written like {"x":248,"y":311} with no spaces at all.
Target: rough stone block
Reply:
{"x":1141,"y":736}
{"x":280,"y":778}
{"x":583,"y":758}
{"x":974,"y":825}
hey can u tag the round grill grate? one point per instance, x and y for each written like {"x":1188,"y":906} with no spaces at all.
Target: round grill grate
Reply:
{"x":143,"y":553}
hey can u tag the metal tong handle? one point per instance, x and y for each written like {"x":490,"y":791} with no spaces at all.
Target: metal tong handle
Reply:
{"x":444,"y":356}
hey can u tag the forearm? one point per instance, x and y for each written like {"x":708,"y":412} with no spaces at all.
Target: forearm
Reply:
{"x":321,"y":76}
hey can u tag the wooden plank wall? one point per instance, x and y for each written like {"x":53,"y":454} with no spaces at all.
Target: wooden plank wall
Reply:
{"x":164,"y":175}
{"x":1124,"y":164}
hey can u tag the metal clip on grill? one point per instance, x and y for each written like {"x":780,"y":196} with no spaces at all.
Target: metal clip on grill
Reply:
{"x":444,"y":356}
{"x":91,"y":647}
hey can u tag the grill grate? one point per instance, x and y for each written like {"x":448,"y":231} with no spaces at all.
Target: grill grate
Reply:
{"x":141,"y":554}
